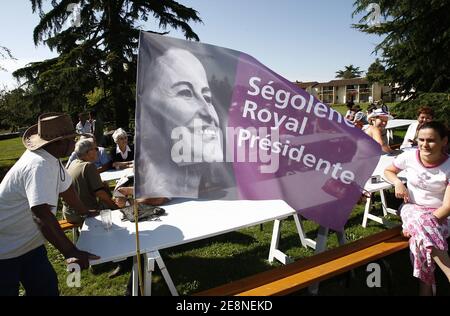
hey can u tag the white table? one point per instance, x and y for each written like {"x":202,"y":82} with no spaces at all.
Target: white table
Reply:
{"x":393,"y":124}
{"x":383,"y":163}
{"x":396,"y":123}
{"x":115,"y":174}
{"x":184,"y":222}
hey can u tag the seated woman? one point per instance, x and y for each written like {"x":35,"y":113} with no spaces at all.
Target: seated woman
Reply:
{"x":424,"y":115}
{"x":123,"y":155}
{"x":86,"y":181}
{"x":426,"y":202}
{"x":377,"y":129}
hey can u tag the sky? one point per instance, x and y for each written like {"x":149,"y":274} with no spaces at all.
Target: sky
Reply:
{"x":304,"y":40}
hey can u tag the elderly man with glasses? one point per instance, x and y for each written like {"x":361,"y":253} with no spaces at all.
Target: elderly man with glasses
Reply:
{"x":86,"y":181}
{"x":103,"y":161}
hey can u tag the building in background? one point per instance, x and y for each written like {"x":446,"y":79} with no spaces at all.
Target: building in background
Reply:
{"x":339,"y":91}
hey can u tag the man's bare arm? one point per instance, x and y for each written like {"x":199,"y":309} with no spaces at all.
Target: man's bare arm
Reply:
{"x":49,"y":226}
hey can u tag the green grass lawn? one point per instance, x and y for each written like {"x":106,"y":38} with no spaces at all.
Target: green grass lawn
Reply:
{"x":10,"y":151}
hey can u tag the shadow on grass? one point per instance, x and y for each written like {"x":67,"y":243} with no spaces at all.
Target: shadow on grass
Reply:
{"x":193,"y":274}
{"x":231,"y":237}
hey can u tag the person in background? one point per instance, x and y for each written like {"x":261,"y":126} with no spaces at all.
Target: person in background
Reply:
{"x":28,"y":199}
{"x":123,"y":155}
{"x":424,"y":115}
{"x":103,"y":161}
{"x":372,"y":107}
{"x":360,"y":120}
{"x":97,"y":127}
{"x":87,"y":182}
{"x":426,"y":202}
{"x":377,"y":129}
{"x":350,"y":114}
{"x":360,"y":114}
{"x":83,"y":126}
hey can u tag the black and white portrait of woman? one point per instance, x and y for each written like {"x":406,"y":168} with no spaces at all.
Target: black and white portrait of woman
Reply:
{"x":180,"y":145}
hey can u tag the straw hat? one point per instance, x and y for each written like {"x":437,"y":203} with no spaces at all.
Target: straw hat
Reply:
{"x":51,"y":127}
{"x":379,"y":112}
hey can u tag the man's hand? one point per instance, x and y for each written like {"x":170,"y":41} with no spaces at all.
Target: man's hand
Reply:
{"x":80,"y":257}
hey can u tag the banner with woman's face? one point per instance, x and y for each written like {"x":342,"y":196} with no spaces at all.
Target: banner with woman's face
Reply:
{"x":214,"y":123}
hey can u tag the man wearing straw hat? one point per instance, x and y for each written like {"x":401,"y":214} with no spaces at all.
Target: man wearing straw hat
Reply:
{"x":28,"y":199}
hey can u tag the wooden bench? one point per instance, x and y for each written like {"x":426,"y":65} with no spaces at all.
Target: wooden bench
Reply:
{"x":65,"y":225}
{"x":308,"y":271}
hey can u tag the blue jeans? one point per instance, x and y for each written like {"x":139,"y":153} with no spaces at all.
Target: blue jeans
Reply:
{"x":33,"y":270}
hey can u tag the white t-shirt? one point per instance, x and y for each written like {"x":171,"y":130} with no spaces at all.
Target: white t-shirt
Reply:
{"x":124,"y":155}
{"x":84,"y":129}
{"x":426,"y":185}
{"x":410,"y":134}
{"x":36,"y":178}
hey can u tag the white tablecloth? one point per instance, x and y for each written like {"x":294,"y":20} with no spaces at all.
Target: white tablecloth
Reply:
{"x":115,"y":174}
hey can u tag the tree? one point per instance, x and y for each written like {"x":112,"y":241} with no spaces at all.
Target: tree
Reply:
{"x":99,"y":51}
{"x":416,"y":44}
{"x":16,"y":108}
{"x":5,"y":53}
{"x":376,"y":72}
{"x":349,"y":72}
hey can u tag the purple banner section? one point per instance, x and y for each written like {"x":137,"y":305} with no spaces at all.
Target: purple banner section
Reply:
{"x":288,"y":145}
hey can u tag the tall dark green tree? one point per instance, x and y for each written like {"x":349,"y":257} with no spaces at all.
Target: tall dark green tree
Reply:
{"x":349,"y":72}
{"x":98,"y":50}
{"x":416,"y":44}
{"x":376,"y":72}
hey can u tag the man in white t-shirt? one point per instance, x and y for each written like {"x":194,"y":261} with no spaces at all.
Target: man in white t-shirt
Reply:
{"x":28,"y":199}
{"x":83,"y":126}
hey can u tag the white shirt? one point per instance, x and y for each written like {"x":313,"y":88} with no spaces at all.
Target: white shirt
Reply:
{"x":124,"y":155}
{"x":410,"y":134}
{"x":84,"y":129}
{"x":426,"y":185}
{"x":34,"y":179}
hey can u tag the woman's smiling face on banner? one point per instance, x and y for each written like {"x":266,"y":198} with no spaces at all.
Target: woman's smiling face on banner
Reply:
{"x":182,"y":95}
